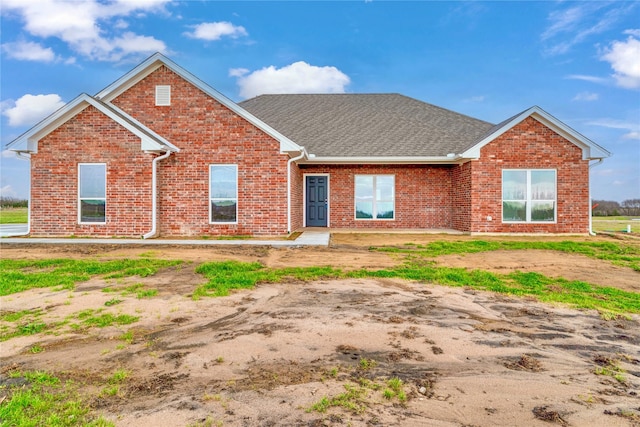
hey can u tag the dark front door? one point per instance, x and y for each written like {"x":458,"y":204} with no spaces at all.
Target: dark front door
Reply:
{"x":316,"y":201}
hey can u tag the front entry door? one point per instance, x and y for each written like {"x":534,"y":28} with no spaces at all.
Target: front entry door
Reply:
{"x":317,"y":201}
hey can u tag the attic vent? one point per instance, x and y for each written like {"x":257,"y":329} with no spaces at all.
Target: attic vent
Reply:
{"x":163,"y":95}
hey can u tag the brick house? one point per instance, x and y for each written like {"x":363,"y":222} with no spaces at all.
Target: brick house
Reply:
{"x":161,"y":153}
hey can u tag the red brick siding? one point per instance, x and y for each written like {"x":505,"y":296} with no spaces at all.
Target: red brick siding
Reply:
{"x":297,"y":193}
{"x":209,"y":133}
{"x":530,"y":145}
{"x":461,"y":197}
{"x":90,"y":137}
{"x":423,"y":195}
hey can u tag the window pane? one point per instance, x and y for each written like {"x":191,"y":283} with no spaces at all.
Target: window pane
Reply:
{"x":364,"y":188}
{"x":223,"y":182}
{"x":92,"y":211}
{"x":384,"y":210}
{"x":543,"y":185}
{"x":223,"y":211}
{"x":364,"y":209}
{"x":384,"y":188}
{"x":514,"y":185}
{"x":92,"y":181}
{"x":514,"y":211}
{"x":542,"y":211}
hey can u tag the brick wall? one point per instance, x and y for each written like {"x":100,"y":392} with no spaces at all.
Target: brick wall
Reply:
{"x":530,"y":145}
{"x":209,"y":133}
{"x":297,"y":193}
{"x":90,"y":137}
{"x":423,"y":195}
{"x":461,"y":196}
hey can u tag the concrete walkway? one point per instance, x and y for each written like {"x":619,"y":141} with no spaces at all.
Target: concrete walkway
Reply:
{"x":307,"y":238}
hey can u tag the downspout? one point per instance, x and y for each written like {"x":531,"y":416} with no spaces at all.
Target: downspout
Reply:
{"x":591,"y":233}
{"x":291,"y":160}
{"x":154,"y":185}
{"x":27,"y":157}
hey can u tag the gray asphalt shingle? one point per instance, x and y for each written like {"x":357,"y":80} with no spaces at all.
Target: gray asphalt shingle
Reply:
{"x":367,"y":125}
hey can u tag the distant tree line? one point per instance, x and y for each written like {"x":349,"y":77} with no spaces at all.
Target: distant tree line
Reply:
{"x":629,"y":207}
{"x":13,"y":202}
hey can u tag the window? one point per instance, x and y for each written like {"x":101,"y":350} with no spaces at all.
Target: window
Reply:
{"x":223,"y":193}
{"x":375,"y":196}
{"x":163,"y":95}
{"x":92,"y":193}
{"x":529,"y":195}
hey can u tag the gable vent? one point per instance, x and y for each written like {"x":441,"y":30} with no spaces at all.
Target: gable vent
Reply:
{"x":163,"y":95}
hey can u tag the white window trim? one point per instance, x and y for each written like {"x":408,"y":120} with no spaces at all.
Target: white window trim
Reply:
{"x":304,"y":197}
{"x":92,"y":198}
{"x":375,"y":210}
{"x":528,"y":199}
{"x":160,"y":90}
{"x":220,"y":199}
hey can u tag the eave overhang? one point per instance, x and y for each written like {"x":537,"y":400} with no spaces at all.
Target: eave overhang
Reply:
{"x":397,"y":160}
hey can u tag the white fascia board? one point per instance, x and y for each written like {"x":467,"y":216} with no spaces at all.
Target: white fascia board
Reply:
{"x":156,"y":60}
{"x":405,"y":160}
{"x":590,"y":150}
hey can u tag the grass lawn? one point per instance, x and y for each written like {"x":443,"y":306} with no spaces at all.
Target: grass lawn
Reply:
{"x":615,"y":223}
{"x":14,"y":215}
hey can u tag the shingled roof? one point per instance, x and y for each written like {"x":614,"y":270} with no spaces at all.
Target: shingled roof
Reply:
{"x":367,"y":125}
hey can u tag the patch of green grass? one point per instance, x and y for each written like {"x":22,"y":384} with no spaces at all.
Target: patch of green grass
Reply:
{"x":616,"y":253}
{"x":46,"y":401}
{"x":146,"y":293}
{"x":21,"y":275}
{"x":36,"y":348}
{"x":14,"y":215}
{"x":127,"y":337}
{"x":354,"y":399}
{"x":366,"y":364}
{"x":13,"y":316}
{"x":615,"y":224}
{"x":112,"y":301}
{"x":107,"y":319}
{"x":228,"y":275}
{"x":26,"y":328}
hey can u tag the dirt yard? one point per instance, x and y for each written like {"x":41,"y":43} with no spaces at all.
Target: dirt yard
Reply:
{"x":264,"y":357}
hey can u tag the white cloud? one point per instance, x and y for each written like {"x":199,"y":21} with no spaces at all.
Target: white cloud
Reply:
{"x":28,"y":51}
{"x":8,"y":154}
{"x":479,"y":98}
{"x":586,"y":96}
{"x":624,"y":57}
{"x":238,"y":72}
{"x":30,"y":109}
{"x":632,"y":128}
{"x":7,"y":191}
{"x":216,"y":30}
{"x":91,"y":28}
{"x":632,"y":32}
{"x":592,"y":79}
{"x":298,"y":77}
{"x":575,"y":24}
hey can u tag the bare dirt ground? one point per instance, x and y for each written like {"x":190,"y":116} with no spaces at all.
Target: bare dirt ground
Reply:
{"x":263,"y":357}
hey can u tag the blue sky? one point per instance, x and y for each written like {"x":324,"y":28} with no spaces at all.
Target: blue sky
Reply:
{"x":579,"y":61}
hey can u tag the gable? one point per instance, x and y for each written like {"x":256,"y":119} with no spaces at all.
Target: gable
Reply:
{"x":590,"y":150}
{"x":149,"y":140}
{"x":156,"y":61}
